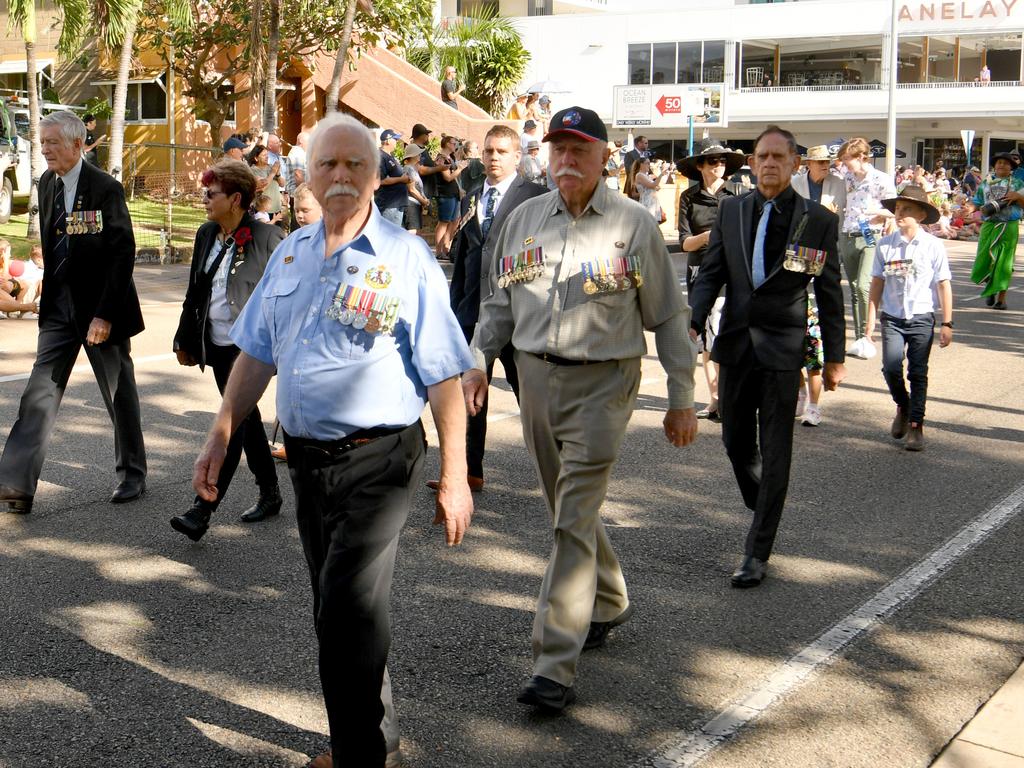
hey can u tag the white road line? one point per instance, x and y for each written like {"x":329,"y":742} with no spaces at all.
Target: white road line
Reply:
{"x":688,"y":748}
{"x":87,"y":367}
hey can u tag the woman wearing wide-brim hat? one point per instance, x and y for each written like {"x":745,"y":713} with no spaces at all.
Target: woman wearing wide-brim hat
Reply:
{"x":999,"y":201}
{"x":698,"y":208}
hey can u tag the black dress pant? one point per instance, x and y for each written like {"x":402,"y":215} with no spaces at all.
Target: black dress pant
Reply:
{"x":351,"y":504}
{"x":476,"y":426}
{"x":250,"y":436}
{"x":57,"y":349}
{"x":757,"y":408}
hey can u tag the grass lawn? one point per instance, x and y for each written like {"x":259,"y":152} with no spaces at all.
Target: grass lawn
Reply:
{"x":148,"y":218}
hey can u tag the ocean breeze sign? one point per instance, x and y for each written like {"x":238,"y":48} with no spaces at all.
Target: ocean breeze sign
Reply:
{"x":667,"y":106}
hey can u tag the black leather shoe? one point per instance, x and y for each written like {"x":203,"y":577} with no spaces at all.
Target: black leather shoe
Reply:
{"x":546,"y":694}
{"x":268,"y":505}
{"x":750,"y":573}
{"x":326,"y":760}
{"x":599,"y":629}
{"x":128,"y":490}
{"x":17,"y":502}
{"x":193,"y":523}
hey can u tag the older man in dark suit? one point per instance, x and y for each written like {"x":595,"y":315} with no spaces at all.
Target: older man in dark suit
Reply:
{"x":90,"y":298}
{"x":473,"y":252}
{"x":766,"y":247}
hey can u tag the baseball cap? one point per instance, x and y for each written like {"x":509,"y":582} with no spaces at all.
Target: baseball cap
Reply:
{"x":234,"y":143}
{"x":389,"y":133}
{"x":577,"y":121}
{"x":419,"y":129}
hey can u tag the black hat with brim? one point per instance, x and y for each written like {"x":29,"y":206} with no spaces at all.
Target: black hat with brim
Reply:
{"x":914,"y":194}
{"x":1007,"y":157}
{"x":734,"y":160}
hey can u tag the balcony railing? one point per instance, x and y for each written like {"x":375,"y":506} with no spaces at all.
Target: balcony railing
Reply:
{"x":880,"y":86}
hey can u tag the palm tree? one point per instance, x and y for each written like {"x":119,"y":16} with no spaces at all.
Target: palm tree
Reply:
{"x":486,"y":51}
{"x":271,"y":50}
{"x":334,"y":91}
{"x":22,"y":13}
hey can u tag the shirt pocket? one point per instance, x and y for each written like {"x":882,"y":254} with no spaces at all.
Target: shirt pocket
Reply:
{"x":278,"y":298}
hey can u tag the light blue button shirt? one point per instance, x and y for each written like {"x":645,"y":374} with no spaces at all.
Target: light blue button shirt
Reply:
{"x":333,"y":379}
{"x":915,"y":292}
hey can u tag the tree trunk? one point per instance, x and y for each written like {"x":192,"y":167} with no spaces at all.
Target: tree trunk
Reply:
{"x":270,"y":73}
{"x":36,"y":164}
{"x":334,"y":91}
{"x":116,"y":155}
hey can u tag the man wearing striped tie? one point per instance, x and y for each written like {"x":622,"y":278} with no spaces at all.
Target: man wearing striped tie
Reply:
{"x":766,"y":248}
{"x":473,"y":253}
{"x":90,"y":299}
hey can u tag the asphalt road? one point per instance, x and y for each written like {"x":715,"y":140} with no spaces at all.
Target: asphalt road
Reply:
{"x":124,"y":644}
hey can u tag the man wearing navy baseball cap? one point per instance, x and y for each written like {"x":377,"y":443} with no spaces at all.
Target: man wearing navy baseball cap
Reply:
{"x":392,"y":194}
{"x":578,"y":275}
{"x":234,"y":148}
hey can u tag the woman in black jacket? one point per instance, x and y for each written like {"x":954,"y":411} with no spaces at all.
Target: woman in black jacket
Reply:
{"x":698,"y":209}
{"x":230,"y":254}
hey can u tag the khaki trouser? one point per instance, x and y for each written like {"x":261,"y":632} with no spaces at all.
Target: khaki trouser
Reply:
{"x":574,"y":418}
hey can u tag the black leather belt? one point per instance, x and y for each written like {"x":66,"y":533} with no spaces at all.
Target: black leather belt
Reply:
{"x":547,"y":357}
{"x":332,"y":449}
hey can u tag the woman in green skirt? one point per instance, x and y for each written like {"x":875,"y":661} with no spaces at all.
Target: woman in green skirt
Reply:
{"x":998,"y":199}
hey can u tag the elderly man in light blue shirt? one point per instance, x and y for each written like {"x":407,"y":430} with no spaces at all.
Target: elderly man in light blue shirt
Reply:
{"x":353,"y":315}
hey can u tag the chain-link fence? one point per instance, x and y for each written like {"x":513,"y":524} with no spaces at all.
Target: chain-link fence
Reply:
{"x":165,"y":197}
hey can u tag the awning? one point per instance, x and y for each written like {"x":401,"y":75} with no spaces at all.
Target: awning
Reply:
{"x":16,"y":66}
{"x":109,"y":77}
{"x":878,"y":148}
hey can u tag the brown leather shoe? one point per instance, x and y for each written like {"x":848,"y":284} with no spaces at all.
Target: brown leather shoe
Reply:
{"x":279,"y":453}
{"x":325,"y":760}
{"x":900,"y":424}
{"x":915,"y":438}
{"x":476,"y":484}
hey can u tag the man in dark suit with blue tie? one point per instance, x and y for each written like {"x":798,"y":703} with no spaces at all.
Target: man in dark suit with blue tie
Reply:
{"x":90,"y":298}
{"x":473,"y":252}
{"x":766,"y":247}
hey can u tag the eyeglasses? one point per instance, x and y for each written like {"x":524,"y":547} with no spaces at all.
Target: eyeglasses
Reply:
{"x":210,"y":194}
{"x":715,"y":161}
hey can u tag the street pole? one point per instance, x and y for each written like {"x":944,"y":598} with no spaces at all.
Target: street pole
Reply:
{"x":890,"y":135}
{"x":689,"y":147}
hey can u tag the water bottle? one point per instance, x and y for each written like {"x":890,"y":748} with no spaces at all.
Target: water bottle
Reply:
{"x":866,"y":232}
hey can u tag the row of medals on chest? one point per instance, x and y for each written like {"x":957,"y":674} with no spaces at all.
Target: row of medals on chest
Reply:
{"x":604,"y":282}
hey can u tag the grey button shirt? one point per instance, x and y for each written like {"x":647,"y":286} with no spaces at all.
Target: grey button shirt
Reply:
{"x":553,"y":313}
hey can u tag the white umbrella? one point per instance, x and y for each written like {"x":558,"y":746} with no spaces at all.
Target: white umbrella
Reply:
{"x":549,"y":86}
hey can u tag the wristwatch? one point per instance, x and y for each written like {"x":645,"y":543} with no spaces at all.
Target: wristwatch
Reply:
{"x":947,"y":325}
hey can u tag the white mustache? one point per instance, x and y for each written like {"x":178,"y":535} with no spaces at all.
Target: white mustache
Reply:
{"x":341,"y":189}
{"x":568,"y":172}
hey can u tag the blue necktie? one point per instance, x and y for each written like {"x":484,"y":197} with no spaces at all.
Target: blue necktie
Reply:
{"x":757,"y":267}
{"x":492,"y":204}
{"x":60,"y":249}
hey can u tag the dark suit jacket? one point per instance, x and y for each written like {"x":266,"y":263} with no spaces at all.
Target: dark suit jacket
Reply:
{"x":99,"y":266}
{"x":474,"y":256}
{"x":770,"y":321}
{"x":244,"y":273}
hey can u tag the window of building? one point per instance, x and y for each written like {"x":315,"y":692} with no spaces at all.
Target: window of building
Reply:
{"x":540,"y":7}
{"x":812,"y":62}
{"x":689,"y":63}
{"x":663,"y":63}
{"x":640,"y":64}
{"x":686,"y":62}
{"x":225,"y":92}
{"x":145,"y":102}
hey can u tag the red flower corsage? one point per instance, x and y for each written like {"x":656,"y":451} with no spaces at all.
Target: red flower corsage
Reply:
{"x":242,"y":236}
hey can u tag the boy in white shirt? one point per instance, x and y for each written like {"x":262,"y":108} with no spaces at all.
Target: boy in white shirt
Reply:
{"x":909,"y":276}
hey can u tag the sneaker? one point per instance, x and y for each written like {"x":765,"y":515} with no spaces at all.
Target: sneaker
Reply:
{"x":812,"y":416}
{"x":29,"y":316}
{"x":867,"y":348}
{"x":801,"y":403}
{"x":855,"y":350}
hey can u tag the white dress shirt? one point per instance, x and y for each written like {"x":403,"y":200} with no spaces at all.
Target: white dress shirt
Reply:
{"x":70,"y":180}
{"x":502,"y":186}
{"x":915,"y":270}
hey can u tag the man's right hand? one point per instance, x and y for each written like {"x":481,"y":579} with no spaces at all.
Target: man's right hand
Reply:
{"x":207,"y":469}
{"x":184,"y":358}
{"x":474,"y":389}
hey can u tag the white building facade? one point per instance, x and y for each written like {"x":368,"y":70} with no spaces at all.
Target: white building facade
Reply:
{"x":820,"y":68}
